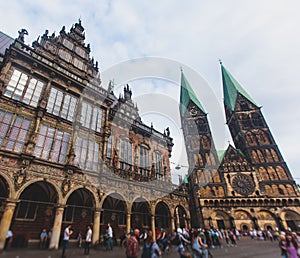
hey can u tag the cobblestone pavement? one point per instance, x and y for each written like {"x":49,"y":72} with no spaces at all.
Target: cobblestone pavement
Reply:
{"x":246,"y":248}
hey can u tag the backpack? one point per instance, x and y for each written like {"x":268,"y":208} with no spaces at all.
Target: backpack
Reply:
{"x":130,"y":247}
{"x":147,"y":250}
{"x":176,"y":240}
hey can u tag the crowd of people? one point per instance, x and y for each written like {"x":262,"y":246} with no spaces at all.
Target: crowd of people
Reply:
{"x":195,"y":243}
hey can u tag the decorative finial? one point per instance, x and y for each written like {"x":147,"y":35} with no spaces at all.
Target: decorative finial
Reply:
{"x":220,"y":61}
{"x":181,"y":69}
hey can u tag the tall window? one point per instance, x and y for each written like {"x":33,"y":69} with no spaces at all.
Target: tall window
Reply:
{"x":126,"y":155}
{"x":52,"y":144}
{"x":157,"y":161}
{"x":87,"y":154}
{"x":21,"y":88}
{"x":17,"y":134}
{"x":61,"y":104}
{"x":109,"y":149}
{"x":5,"y":120}
{"x":144,"y":161}
{"x":91,"y":116}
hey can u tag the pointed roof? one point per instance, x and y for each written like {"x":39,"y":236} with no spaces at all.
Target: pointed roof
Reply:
{"x":231,"y":88}
{"x":186,"y":95}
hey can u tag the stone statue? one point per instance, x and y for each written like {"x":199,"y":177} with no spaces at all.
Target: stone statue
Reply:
{"x":22,"y":33}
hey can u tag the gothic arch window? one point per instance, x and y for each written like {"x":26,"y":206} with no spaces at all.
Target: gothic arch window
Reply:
{"x":251,"y":140}
{"x":255,"y":157}
{"x":275,"y":190}
{"x":202,"y":126}
{"x":268,"y":190}
{"x":290,"y":190}
{"x":257,"y":120}
{"x":263,"y":174}
{"x":269,"y":156}
{"x":272,"y":173}
{"x":205,"y":142}
{"x":200,"y":160}
{"x":260,"y":156}
{"x":262,"y":138}
{"x":213,"y":193}
{"x":281,"y":173}
{"x":280,"y":191}
{"x":274,"y":155}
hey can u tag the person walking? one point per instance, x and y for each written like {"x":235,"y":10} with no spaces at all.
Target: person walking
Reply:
{"x":88,"y":240}
{"x":110,"y":245}
{"x":291,"y":246}
{"x":131,"y":245}
{"x":43,"y":239}
{"x":151,"y":248}
{"x":8,"y":239}
{"x":67,"y":233}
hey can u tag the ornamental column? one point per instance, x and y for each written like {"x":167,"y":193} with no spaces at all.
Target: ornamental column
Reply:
{"x":153,"y":226}
{"x":6,"y":221}
{"x":96,"y":227}
{"x":128,"y":222}
{"x":54,"y":242}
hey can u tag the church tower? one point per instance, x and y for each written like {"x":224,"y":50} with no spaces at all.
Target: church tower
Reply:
{"x":200,"y":148}
{"x":251,"y":134}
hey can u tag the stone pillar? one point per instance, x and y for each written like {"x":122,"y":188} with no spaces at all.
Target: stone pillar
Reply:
{"x":173,"y":224}
{"x":54,"y":242}
{"x":153,"y":226}
{"x":6,"y":221}
{"x":96,"y":227}
{"x":128,"y":222}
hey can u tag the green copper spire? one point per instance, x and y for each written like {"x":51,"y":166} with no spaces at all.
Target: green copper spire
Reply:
{"x":186,"y":95}
{"x":231,"y":88}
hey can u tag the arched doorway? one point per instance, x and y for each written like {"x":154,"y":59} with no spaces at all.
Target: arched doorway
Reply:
{"x":141,"y":214}
{"x":35,"y":211}
{"x":79,"y":211}
{"x":114,"y":212}
{"x":292,"y":220}
{"x":180,"y":217}
{"x":223,"y":220}
{"x":162,"y":216}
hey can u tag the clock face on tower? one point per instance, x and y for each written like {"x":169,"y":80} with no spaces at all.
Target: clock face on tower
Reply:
{"x":243,"y":184}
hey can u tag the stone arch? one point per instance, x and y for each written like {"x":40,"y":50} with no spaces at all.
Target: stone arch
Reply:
{"x":115,"y":209}
{"x":141,"y":214}
{"x":88,"y":189}
{"x":53,"y":184}
{"x":79,"y":209}
{"x":272,"y":173}
{"x":268,"y":190}
{"x":266,"y":218}
{"x":180,"y":215}
{"x":6,"y":183}
{"x":35,"y":211}
{"x":162,"y":215}
{"x":222,"y":219}
{"x":292,"y":219}
{"x":290,"y":189}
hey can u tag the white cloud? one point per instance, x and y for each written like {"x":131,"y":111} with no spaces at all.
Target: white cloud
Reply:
{"x":258,"y":42}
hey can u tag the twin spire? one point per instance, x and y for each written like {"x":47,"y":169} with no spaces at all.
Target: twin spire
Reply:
{"x":231,"y":89}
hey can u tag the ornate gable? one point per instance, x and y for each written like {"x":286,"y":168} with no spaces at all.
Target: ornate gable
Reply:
{"x":69,"y":51}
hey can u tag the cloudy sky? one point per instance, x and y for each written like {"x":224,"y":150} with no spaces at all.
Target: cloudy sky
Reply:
{"x":258,"y":42}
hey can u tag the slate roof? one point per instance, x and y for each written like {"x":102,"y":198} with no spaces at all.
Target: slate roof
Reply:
{"x":5,"y":42}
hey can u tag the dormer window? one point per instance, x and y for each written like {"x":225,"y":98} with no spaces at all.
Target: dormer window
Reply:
{"x":68,"y":44}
